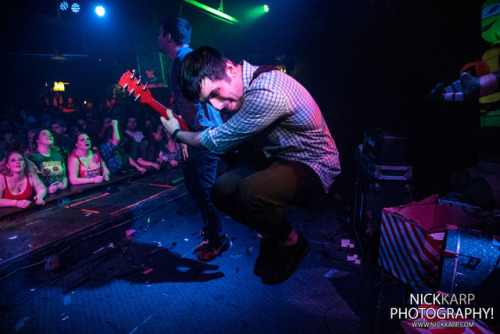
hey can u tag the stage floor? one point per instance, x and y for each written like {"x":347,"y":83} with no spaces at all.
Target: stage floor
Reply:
{"x":156,"y":285}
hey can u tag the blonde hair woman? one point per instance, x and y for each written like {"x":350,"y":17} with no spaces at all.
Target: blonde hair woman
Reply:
{"x":19,"y":182}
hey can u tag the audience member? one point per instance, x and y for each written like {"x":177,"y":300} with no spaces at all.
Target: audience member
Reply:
{"x":137,"y":135}
{"x":29,"y":121}
{"x":88,"y":110}
{"x":49,"y":161}
{"x":61,"y":136}
{"x":57,"y":102}
{"x":151,"y":145}
{"x":8,"y":142}
{"x":19,"y":182}
{"x":84,"y":164}
{"x":69,"y":110}
{"x":46,"y":121}
{"x":133,"y":131}
{"x":45,"y":146}
{"x":106,"y":123}
{"x":171,"y":153}
{"x":27,"y":148}
{"x":113,"y":154}
{"x":82,"y":124}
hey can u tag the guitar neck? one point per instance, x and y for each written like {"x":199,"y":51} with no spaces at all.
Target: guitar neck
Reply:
{"x":132,"y":85}
{"x":162,"y":110}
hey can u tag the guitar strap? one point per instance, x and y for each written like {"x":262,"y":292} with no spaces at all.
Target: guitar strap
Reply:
{"x":206,"y":119}
{"x":262,"y":69}
{"x":244,"y":152}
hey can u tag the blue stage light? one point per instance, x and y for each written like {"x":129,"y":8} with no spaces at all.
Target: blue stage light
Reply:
{"x":75,"y":7}
{"x":100,"y":11}
{"x":64,"y":5}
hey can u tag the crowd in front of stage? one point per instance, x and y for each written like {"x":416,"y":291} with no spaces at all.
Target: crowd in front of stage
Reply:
{"x":62,"y":144}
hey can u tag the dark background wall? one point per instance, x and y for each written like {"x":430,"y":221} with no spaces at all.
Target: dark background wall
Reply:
{"x":368,"y":63}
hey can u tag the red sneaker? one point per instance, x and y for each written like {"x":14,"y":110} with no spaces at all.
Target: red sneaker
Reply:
{"x":201,"y":247}
{"x":214,"y":250}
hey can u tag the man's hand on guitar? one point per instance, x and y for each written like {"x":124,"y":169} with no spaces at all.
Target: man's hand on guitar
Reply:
{"x":172,"y":123}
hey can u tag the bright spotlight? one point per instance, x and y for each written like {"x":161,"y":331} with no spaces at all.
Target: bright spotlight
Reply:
{"x":64,"y":5}
{"x":266,"y":8}
{"x":75,"y":7}
{"x":100,"y":11}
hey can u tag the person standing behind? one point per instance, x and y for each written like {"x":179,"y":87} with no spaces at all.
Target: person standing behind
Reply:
{"x":200,"y":166}
{"x":277,"y":116}
{"x":49,"y":161}
{"x":61,"y":137}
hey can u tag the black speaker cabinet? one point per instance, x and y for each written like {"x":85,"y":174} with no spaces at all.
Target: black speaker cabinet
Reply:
{"x":377,"y":187}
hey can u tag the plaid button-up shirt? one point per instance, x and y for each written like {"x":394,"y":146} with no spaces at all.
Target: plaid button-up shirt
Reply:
{"x":281,"y":118}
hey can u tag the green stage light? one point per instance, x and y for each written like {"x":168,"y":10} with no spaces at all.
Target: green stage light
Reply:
{"x":215,"y":13}
{"x":256,"y":12}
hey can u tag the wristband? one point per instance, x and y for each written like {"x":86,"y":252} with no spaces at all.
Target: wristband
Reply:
{"x":174,"y":136}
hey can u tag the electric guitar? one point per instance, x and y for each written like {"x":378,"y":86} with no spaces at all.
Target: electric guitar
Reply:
{"x":131,"y":84}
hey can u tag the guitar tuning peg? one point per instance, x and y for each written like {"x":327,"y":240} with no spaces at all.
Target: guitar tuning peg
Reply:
{"x":139,"y":81}
{"x":131,"y":92}
{"x":145,"y":85}
{"x":138,"y":97}
{"x":124,"y":88}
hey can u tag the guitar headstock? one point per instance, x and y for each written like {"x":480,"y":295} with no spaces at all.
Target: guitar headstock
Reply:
{"x":133,"y":85}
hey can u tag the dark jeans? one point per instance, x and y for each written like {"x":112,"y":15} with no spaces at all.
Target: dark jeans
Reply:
{"x":200,"y":171}
{"x":255,"y":194}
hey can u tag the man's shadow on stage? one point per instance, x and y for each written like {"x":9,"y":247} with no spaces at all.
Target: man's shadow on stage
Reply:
{"x":137,"y":263}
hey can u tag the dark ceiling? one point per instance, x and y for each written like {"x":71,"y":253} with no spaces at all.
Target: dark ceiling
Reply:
{"x":46,"y":44}
{"x":318,"y":39}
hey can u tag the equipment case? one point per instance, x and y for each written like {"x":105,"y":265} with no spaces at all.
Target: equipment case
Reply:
{"x":377,"y":187}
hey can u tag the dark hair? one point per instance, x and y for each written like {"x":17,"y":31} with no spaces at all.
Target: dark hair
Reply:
{"x":77,"y":134}
{"x":178,"y":28}
{"x":153,"y":128}
{"x":204,"y":62}
{"x":34,"y":144}
{"x":108,"y":134}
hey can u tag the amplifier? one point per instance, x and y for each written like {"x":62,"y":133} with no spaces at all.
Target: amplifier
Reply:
{"x":384,"y":148}
{"x":377,"y":187}
{"x":376,"y":171}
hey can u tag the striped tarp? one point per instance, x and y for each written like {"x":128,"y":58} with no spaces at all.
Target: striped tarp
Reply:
{"x":408,"y":252}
